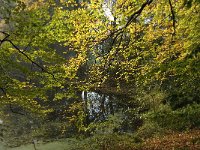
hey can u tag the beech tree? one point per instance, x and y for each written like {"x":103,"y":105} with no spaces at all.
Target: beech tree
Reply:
{"x":71,"y":46}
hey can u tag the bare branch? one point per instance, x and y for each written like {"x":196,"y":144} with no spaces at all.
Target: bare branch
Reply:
{"x":137,"y":13}
{"x":173,"y":17}
{"x":117,"y":32}
{"x":4,"y":92}
{"x":24,"y":54}
{"x":4,"y":39}
{"x":120,"y":31}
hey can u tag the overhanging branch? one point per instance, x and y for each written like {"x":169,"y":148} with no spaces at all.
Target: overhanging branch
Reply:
{"x":137,"y":13}
{"x":116,"y":33}
{"x":5,"y":39}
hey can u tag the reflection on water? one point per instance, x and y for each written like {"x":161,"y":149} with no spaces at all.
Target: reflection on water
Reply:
{"x":99,"y":106}
{"x":22,"y":129}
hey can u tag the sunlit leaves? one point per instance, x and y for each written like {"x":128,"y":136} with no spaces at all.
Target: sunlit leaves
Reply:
{"x":66,"y":36}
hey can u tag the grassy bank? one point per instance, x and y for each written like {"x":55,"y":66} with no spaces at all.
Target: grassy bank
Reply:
{"x":188,"y":140}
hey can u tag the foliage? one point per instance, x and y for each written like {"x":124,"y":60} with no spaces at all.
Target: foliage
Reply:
{"x":180,"y":119}
{"x":107,"y":142}
{"x":149,"y":130}
{"x":148,"y":52}
{"x":175,"y":140}
{"x":54,"y":40}
{"x":77,"y":117}
{"x":109,"y":126}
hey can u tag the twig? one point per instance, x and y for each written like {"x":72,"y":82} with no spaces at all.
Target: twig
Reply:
{"x":10,"y":105}
{"x":132,"y":17}
{"x":173,"y":17}
{"x":137,"y":13}
{"x":117,"y":32}
{"x":4,"y":39}
{"x":34,"y":144}
{"x":23,"y":53}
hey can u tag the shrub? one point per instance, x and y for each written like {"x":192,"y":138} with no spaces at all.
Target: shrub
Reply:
{"x":180,"y":119}
{"x":107,"y":142}
{"x":148,"y":130}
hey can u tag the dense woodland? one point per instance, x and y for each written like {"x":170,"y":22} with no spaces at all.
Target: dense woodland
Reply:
{"x":109,"y":74}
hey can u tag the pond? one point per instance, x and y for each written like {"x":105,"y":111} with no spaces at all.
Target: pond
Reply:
{"x":23,"y":129}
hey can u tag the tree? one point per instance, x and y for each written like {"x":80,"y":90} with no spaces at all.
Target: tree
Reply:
{"x":54,"y":50}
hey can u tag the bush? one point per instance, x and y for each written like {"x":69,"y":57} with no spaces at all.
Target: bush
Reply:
{"x":107,"y":142}
{"x":180,"y":119}
{"x":148,"y":130}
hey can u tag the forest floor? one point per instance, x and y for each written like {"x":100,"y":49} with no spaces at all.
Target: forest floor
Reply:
{"x":189,"y":140}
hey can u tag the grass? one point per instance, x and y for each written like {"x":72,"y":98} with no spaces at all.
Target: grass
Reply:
{"x":188,"y":140}
{"x":64,"y":144}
